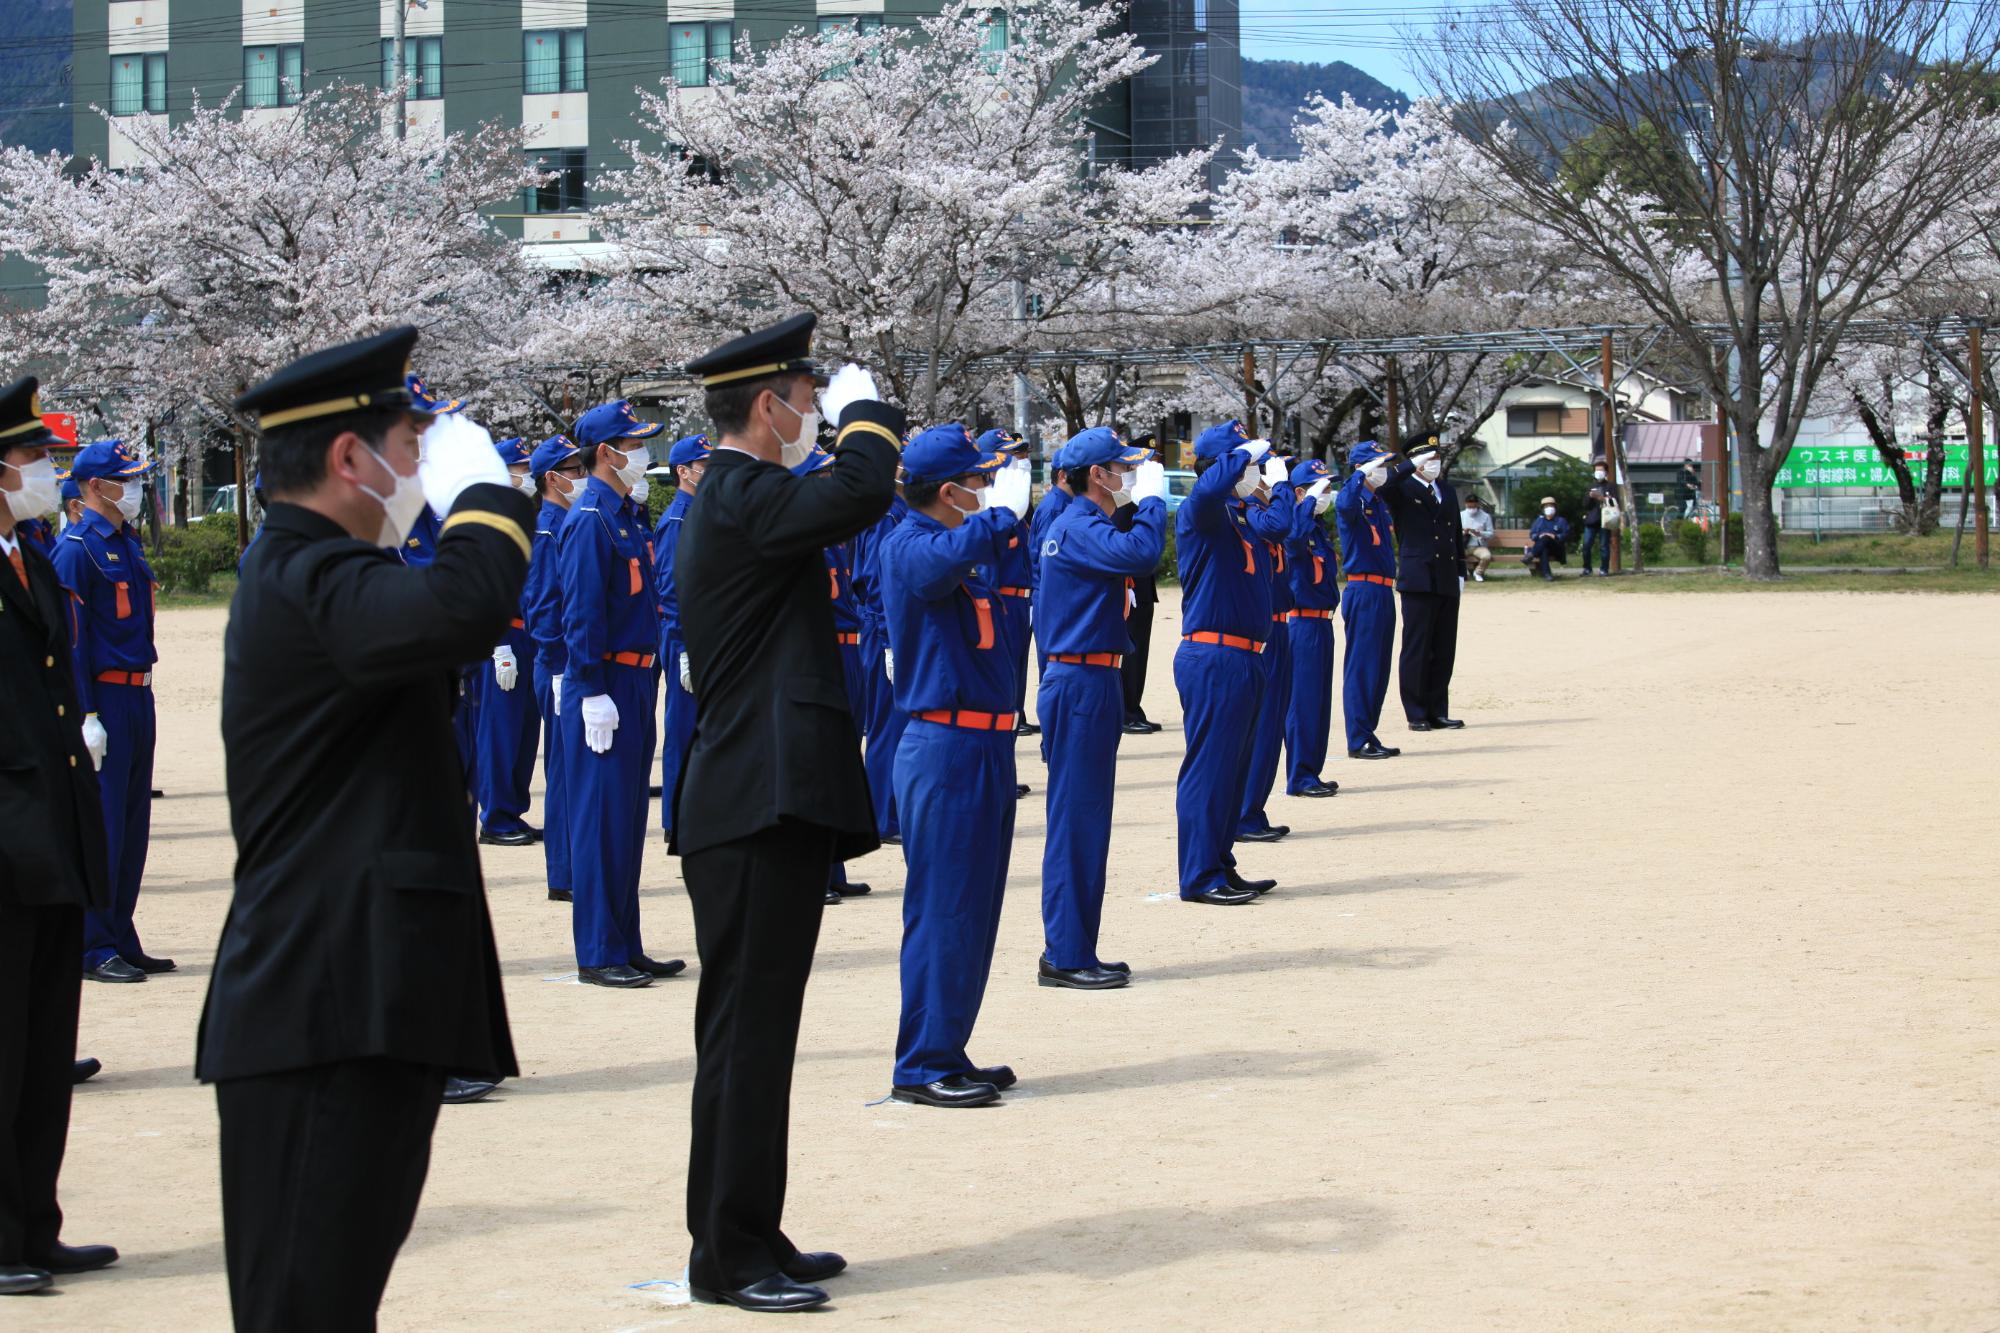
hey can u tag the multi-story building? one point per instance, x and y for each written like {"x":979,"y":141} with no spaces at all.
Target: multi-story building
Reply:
{"x":567,"y":70}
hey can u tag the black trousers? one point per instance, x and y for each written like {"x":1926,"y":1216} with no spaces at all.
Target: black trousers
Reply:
{"x":1430,"y":647}
{"x":757,"y":904}
{"x":40,"y":984}
{"x":1140,"y":627}
{"x":321,"y":1172}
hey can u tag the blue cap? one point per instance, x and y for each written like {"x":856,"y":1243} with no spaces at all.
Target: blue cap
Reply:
{"x":1310,"y":471}
{"x":815,"y":460}
{"x":69,"y":488}
{"x":1219,"y":440}
{"x":688,"y":449}
{"x":1000,"y":441}
{"x":552,"y":453}
{"x":1098,"y":446}
{"x":114,"y":459}
{"x":940,"y":453}
{"x":422,"y":400}
{"x":1364,"y":453}
{"x":512,"y":450}
{"x":613,"y":421}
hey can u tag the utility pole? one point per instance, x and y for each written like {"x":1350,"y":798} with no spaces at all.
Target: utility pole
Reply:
{"x":1611,"y":468}
{"x":1976,"y":438}
{"x":1021,"y":376}
{"x":1250,"y":389}
{"x":1394,"y":434}
{"x":402,"y":9}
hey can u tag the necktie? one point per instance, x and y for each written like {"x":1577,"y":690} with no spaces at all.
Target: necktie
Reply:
{"x":20,"y":566}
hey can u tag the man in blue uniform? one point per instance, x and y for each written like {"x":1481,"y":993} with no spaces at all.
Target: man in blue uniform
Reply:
{"x":557,"y":469}
{"x":1048,"y":509}
{"x":611,"y":629}
{"x":689,"y":459}
{"x":1087,"y":567}
{"x":103,"y":564}
{"x":1315,"y":567}
{"x":1368,"y":603}
{"x":509,"y":724}
{"x":948,"y":624}
{"x":884,"y":723}
{"x":1013,"y":577}
{"x":1430,"y":577}
{"x":1225,"y":572}
{"x":1272,"y":516}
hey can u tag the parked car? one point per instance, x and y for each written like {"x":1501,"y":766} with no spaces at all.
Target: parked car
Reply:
{"x":1179,"y":483}
{"x":221,"y":504}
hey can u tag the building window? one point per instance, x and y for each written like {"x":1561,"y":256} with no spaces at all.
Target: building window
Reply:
{"x":1548,"y":420}
{"x":553,"y":60}
{"x":700,"y":53}
{"x":861,"y":23}
{"x":996,"y":40}
{"x":272,"y":75}
{"x":423,"y":66}
{"x":139,"y":84}
{"x":564,"y":190}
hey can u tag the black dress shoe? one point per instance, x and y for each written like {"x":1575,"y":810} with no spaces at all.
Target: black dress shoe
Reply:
{"x":772,"y":1294}
{"x":534,"y":833}
{"x":17,"y":1279}
{"x":1221,"y":896}
{"x":1271,"y":834}
{"x":518,"y":838}
{"x":653,"y":790}
{"x":832,"y":896}
{"x":1156,"y":726}
{"x":617,"y":976}
{"x":1243,"y":885}
{"x":461,"y":1091}
{"x":1020,"y":789}
{"x":77,"y":1258}
{"x":113,"y":968}
{"x":1126,"y":968}
{"x":853,"y":889}
{"x":1446,"y":724}
{"x":1026,"y":728}
{"x":1080,"y":978}
{"x":958,"y":1090}
{"x":815,"y":1267}
{"x":1137,"y":728}
{"x":1319,"y":789}
{"x":148,"y":964}
{"x":892,"y":840}
{"x":1374,"y":750}
{"x":1420,"y":726}
{"x":1000,"y":1076}
{"x":673,"y":967}
{"x":559,"y":895}
{"x":86,"y":1069}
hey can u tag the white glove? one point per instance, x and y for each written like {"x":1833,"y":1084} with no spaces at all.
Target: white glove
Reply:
{"x":600,"y":719}
{"x":1149,"y":481}
{"x":687,"y":676}
{"x":93,"y":740}
{"x":1319,"y":490}
{"x":458,"y":453}
{"x":889,"y":665}
{"x":1248,"y":480}
{"x":850,"y":384}
{"x":1461,"y":583}
{"x":506,"y":671}
{"x":555,"y":695}
{"x":1276,"y":474}
{"x":1255,"y":448}
{"x":1009,"y":489}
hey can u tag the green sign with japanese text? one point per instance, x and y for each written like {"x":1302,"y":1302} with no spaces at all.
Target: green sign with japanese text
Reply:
{"x":1860,"y":465}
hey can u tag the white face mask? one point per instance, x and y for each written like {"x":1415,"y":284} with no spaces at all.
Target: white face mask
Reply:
{"x":793,"y":452}
{"x":1121,"y":494}
{"x":564,"y":491}
{"x":1247,"y":484}
{"x":982,"y":499}
{"x":1373,"y":475}
{"x":37,"y":495}
{"x":522,"y":481}
{"x":633,"y":470}
{"x":128,"y":501}
{"x":1430,"y":468}
{"x":1599,"y":474}
{"x":641,"y":489}
{"x":1548,"y":511}
{"x":400,"y":506}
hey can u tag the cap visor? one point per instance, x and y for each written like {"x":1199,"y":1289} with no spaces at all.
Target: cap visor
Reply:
{"x":990,"y":461}
{"x":1135,"y":456}
{"x":645,"y":432}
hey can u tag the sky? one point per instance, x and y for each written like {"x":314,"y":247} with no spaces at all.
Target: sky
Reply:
{"x":1362,"y":34}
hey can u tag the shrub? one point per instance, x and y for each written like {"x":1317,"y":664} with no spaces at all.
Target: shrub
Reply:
{"x":1735,"y":536}
{"x":1692,"y":541}
{"x":1652,"y":544}
{"x":190,"y":557}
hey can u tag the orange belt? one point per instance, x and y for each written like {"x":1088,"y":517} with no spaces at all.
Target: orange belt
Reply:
{"x":1279,"y":617}
{"x":1372,"y":578}
{"x":1088,"y":659}
{"x":1015,"y":592}
{"x":517,"y":624}
{"x":1307,"y":613}
{"x":630,"y":659}
{"x":1226,"y":640}
{"x":969,"y":720}
{"x":139,"y":678}
{"x":854,"y":639}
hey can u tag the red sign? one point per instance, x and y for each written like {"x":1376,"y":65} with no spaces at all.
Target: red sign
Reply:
{"x":64,"y":426}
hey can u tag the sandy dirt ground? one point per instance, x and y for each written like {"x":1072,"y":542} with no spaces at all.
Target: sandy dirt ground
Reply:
{"x":1663,"y":996}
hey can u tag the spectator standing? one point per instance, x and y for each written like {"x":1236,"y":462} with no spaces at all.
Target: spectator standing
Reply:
{"x":1690,"y":489}
{"x":1595,"y":536}
{"x":1476,"y":527}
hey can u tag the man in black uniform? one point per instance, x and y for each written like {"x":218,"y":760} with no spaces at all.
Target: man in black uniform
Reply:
{"x":356,"y":966}
{"x":1139,"y":624}
{"x":1430,"y":575}
{"x":52,"y":865}
{"x":773,"y":791}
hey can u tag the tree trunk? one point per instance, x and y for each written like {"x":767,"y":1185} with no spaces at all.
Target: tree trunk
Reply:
{"x":1883,"y":437}
{"x":1760,"y":519}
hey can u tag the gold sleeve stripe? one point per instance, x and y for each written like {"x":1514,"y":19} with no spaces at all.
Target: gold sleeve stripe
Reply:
{"x":873,"y":428}
{"x":481,"y":517}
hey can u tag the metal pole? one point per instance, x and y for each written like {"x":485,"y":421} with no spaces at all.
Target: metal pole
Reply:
{"x":1021,"y":376}
{"x":242,"y":497}
{"x":402,"y":9}
{"x":1976,"y":437}
{"x":1394,"y":411}
{"x":1249,"y":392}
{"x":1612,"y":479}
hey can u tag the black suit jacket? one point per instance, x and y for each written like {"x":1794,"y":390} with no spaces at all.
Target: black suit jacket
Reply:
{"x":359,"y":924}
{"x":774,"y":738}
{"x":51,"y":826}
{"x":1430,"y":557}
